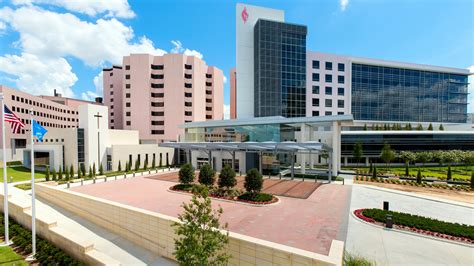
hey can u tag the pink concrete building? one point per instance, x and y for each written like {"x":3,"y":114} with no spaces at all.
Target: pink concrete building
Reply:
{"x":233,"y":94}
{"x":157,"y":94}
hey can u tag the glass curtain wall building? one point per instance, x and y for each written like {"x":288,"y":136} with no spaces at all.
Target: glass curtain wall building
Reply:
{"x":279,"y":69}
{"x":396,"y":94}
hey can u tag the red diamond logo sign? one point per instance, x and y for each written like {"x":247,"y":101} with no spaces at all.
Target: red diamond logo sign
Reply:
{"x":245,"y":15}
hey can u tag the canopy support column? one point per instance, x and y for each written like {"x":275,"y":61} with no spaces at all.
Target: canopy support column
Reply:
{"x":292,"y":165}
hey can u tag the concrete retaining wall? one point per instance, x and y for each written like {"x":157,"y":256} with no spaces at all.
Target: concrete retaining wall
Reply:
{"x":154,"y":231}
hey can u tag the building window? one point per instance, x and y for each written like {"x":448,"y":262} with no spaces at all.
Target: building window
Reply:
{"x":328,"y":103}
{"x":188,"y":85}
{"x":157,"y":95}
{"x":127,"y":95}
{"x":112,"y":114}
{"x":340,"y":79}
{"x":127,"y":114}
{"x":157,"y":67}
{"x":153,"y":113}
{"x":315,"y":76}
{"x":328,"y":90}
{"x":13,"y":97}
{"x":157,"y":76}
{"x":315,"y":64}
{"x":188,"y":104}
{"x":328,"y":65}
{"x":208,"y":116}
{"x":315,"y":113}
{"x":208,"y":92}
{"x":111,"y":74}
{"x":158,"y":85}
{"x":188,"y":76}
{"x":157,"y":104}
{"x":188,"y":94}
{"x":340,"y":67}
{"x":315,"y":89}
{"x":127,"y":67}
{"x":328,"y":78}
{"x":340,"y":103}
{"x":328,"y":113}
{"x":111,"y":85}
{"x":127,"y":86}
{"x":208,"y":108}
{"x":315,"y":102}
{"x":208,"y":76}
{"x":186,"y":66}
{"x":340,"y":113}
{"x":208,"y":100}
{"x":158,"y":132}
{"x":188,"y":113}
{"x":340,"y":91}
{"x":127,"y":76}
{"x":111,"y":121}
{"x":127,"y":104}
{"x":128,"y":123}
{"x":208,"y":84}
{"x":157,"y":123}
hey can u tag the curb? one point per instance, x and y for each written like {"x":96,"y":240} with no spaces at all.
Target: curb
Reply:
{"x":411,"y":233}
{"x":231,"y":201}
{"x":414,"y":195}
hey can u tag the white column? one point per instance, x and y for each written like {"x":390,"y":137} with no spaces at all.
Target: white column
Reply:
{"x":336,"y":143}
{"x":303,"y":156}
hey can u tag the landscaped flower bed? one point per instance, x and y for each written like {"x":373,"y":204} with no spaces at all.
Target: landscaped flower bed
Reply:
{"x":419,"y":224}
{"x":412,"y":183}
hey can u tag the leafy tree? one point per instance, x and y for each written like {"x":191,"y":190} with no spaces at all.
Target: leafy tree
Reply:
{"x":83,"y":169}
{"x":161,"y":161}
{"x":472,"y":179}
{"x":101,"y":169}
{"x":167,"y":161}
{"x":54,"y":174}
{"x":60,"y":173}
{"x":468,"y":158}
{"x":374,"y":173}
{"x":387,"y":155}
{"x":137,"y":165}
{"x":365,"y":127}
{"x":227,"y":177}
{"x":46,"y":174}
{"x":407,"y":171}
{"x":207,"y":175}
{"x":441,"y":127}
{"x":145,"y":164}
{"x":418,"y":176}
{"x":419,"y":127}
{"x":407,"y":156}
{"x":153,"y":163}
{"x":357,"y":152}
{"x":186,"y":174}
{"x":66,"y":173}
{"x":200,"y":241}
{"x":71,"y":171}
{"x":370,"y":167}
{"x":119,"y":166}
{"x":93,"y":170}
{"x":424,"y":157}
{"x":449,"y":175}
{"x":253,"y":181}
{"x":430,"y":127}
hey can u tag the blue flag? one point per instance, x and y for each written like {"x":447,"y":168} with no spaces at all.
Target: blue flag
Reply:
{"x":38,"y":131}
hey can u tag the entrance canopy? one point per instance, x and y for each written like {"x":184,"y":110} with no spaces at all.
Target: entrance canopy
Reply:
{"x":250,"y":146}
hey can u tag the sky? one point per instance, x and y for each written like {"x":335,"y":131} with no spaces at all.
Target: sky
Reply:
{"x":63,"y":45}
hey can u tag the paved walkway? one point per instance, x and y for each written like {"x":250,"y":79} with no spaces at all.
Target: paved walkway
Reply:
{"x":394,"y":248}
{"x":103,"y":240}
{"x":310,"y":224}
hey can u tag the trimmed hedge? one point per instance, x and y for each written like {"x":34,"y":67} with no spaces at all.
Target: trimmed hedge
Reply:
{"x":46,"y":253}
{"x":256,"y":197}
{"x":420,"y":222}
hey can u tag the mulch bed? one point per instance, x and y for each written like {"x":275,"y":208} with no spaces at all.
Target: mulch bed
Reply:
{"x":358,"y":214}
{"x":236,"y":199}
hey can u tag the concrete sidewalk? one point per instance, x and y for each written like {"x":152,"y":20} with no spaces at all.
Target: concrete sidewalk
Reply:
{"x":104,"y":241}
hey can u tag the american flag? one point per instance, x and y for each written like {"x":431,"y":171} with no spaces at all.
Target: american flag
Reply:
{"x":14,"y":121}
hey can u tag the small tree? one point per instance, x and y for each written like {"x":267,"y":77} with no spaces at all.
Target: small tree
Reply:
{"x":418,"y":176}
{"x":93,"y":170}
{"x":374,"y":173}
{"x":101,"y":169}
{"x":407,"y":170}
{"x":207,"y":175}
{"x":137,"y":165}
{"x":449,"y":175}
{"x":128,"y":166}
{"x":186,"y":174}
{"x":90,"y":172}
{"x":370,"y":167}
{"x":409,"y":127}
{"x":153,"y":163}
{"x":145,"y":164}
{"x":357,"y":152}
{"x":54,"y":174}
{"x":60,"y":173}
{"x":83,"y":169}
{"x":46,"y":174}
{"x":167,"y":161}
{"x":419,"y":127}
{"x":387,"y":155}
{"x":200,"y":242}
{"x":79,"y":172}
{"x":161,"y":161}
{"x":430,"y":127}
{"x":441,"y":127}
{"x":253,"y":181}
{"x":71,"y":171}
{"x":66,"y":173}
{"x":365,"y":127}
{"x":472,"y":179}
{"x":227,"y":178}
{"x":119,"y":166}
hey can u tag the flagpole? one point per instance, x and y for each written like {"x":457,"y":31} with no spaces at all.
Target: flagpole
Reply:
{"x":5,"y":181}
{"x":33,"y":198}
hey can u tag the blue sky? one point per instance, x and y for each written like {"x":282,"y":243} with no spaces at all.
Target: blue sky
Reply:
{"x":47,"y":44}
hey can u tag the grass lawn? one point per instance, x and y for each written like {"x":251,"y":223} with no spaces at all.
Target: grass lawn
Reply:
{"x":9,"y":257}
{"x":440,"y":172}
{"x":19,"y":173}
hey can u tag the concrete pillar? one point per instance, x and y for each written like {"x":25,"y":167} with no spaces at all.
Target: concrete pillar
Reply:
{"x":330,"y":166}
{"x":336,"y":143}
{"x":292,"y":165}
{"x":260,"y":162}
{"x":367,"y":161}
{"x":209,"y":158}
{"x":303,"y":156}
{"x":345,"y":161}
{"x":189,"y":156}
{"x":233,"y":161}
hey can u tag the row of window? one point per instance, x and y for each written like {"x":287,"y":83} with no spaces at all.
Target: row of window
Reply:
{"x":328,"y":65}
{"x":160,"y":67}
{"x":41,"y":114}
{"x":328,"y":78}
{"x":316,"y":113}
{"x":328,"y":90}
{"x":328,"y":103}
{"x":42,"y":105}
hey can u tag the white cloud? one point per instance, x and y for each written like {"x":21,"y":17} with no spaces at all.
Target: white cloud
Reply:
{"x":226,"y":111}
{"x":470,"y":99}
{"x":110,"y":8}
{"x":89,"y":96}
{"x":39,"y":75}
{"x":179,"y":49}
{"x":225,"y":79}
{"x":99,"y":83}
{"x":343,"y":4}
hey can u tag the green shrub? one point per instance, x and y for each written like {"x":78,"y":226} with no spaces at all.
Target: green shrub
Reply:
{"x":186,"y":187}
{"x":71,"y":171}
{"x":60,"y":173}
{"x":472,"y":179}
{"x":374,"y":173}
{"x":418,"y":176}
{"x":101,"y":169}
{"x":54,"y":174}
{"x":94,"y":172}
{"x":253,"y":181}
{"x":354,"y":260}
{"x":120,"y":166}
{"x":207,"y":175}
{"x":256,"y":197}
{"x":424,"y":223}
{"x":46,"y":175}
{"x":186,"y":174}
{"x":227,"y":177}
